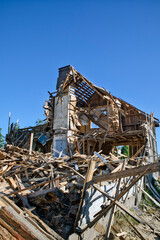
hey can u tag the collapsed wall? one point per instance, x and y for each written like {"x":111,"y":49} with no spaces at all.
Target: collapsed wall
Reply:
{"x":88,"y":118}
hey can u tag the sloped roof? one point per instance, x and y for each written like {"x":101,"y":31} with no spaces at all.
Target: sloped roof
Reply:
{"x":85,"y":89}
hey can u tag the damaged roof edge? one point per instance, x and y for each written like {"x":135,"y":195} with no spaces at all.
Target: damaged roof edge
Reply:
{"x":64,"y":73}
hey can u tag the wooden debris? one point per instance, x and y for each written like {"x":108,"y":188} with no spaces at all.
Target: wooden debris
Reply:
{"x":148,"y":168}
{"x":59,"y":205}
{"x":2,"y":155}
{"x":116,"y":231}
{"x":57,"y":189}
{"x":103,"y":211}
{"x":153,"y":200}
{"x":121,"y":234}
{"x":111,"y":218}
{"x":136,"y":154}
{"x":31,"y":143}
{"x":88,"y":178}
{"x":135,"y":229}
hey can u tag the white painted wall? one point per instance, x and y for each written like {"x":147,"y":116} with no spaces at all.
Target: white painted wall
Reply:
{"x":61,"y":109}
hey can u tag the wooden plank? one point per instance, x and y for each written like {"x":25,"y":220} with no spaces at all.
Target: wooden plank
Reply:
{"x":153,"y":200}
{"x":53,"y":235}
{"x":19,"y":182}
{"x":91,"y":170}
{"x":38,"y":193}
{"x":135,"y":217}
{"x":73,"y":170}
{"x":151,"y":226}
{"x":31,"y":143}
{"x":11,"y":182}
{"x":11,"y":230}
{"x":20,"y":186}
{"x":88,"y":178}
{"x":120,"y":205}
{"x":93,"y":147}
{"x":149,"y":168}
{"x":135,"y":229}
{"x":34,"y":186}
{"x":99,"y":228}
{"x":117,"y":168}
{"x":2,"y":155}
{"x":136,"y":154}
{"x":116,"y":231}
{"x":110,"y":222}
{"x":111,"y":168}
{"x":52,"y":176}
{"x":26,"y":173}
{"x":22,"y":223}
{"x":83,"y":146}
{"x":103,"y":211}
{"x":113,"y":157}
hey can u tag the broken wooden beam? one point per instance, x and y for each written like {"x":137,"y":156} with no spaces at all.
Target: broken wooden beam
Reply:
{"x":111,"y":217}
{"x":34,"y":186}
{"x":88,"y":178}
{"x":135,"y":228}
{"x":31,"y":143}
{"x":120,"y":205}
{"x":138,"y":152}
{"x":105,"y":210}
{"x":149,"y":168}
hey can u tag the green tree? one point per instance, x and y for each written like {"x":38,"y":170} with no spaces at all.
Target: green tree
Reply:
{"x":1,"y":139}
{"x":40,"y":122}
{"x":125,"y":150}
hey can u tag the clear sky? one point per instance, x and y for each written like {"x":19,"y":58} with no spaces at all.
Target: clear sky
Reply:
{"x":115,"y":44}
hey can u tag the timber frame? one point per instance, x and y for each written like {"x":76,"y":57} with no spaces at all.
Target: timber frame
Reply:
{"x":84,"y":126}
{"x":81,"y":117}
{"x":115,"y":121}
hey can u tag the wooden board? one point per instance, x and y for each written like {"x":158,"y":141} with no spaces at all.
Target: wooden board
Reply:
{"x":149,"y":168}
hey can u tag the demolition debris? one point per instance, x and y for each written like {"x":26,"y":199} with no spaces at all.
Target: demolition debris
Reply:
{"x":65,"y":178}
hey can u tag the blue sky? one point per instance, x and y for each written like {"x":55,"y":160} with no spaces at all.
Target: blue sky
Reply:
{"x":115,"y":44}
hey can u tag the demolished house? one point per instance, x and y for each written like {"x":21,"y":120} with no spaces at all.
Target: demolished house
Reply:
{"x":68,"y":174}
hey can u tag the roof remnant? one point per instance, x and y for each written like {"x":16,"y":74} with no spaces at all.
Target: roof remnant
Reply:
{"x":70,"y":175}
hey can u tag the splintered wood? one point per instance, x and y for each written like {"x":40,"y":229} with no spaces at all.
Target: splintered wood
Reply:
{"x":53,"y":190}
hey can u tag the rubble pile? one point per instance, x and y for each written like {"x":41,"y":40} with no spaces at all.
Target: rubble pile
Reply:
{"x":52,"y":188}
{"x":55,"y":202}
{"x":56,"y":208}
{"x":73,"y":177}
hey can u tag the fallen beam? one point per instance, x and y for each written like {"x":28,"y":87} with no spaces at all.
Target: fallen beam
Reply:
{"x":135,"y":228}
{"x":103,"y":211}
{"x":149,"y":168}
{"x":34,"y":186}
{"x":152,"y":199}
{"x":119,"y":204}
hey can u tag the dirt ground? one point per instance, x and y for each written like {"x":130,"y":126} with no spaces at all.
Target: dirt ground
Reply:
{"x":123,"y":230}
{"x":150,"y":214}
